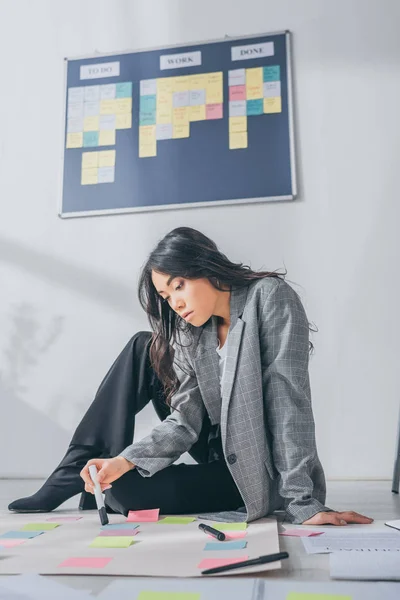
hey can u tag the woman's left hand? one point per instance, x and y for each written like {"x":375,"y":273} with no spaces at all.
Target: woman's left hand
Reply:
{"x":337,"y":518}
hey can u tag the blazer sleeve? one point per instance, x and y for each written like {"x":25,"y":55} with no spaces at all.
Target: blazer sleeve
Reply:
{"x":286,"y":389}
{"x":178,"y":432}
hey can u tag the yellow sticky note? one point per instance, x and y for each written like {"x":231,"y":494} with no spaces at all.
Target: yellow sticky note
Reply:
{"x":89,"y":176}
{"x":214,"y":91}
{"x":237,"y":140}
{"x":108,"y":107}
{"x":147,"y":134}
{"x":180,"y":131}
{"x":180,"y":116}
{"x":123,"y":121}
{"x":91,"y":124}
{"x":147,"y":150}
{"x":164,"y":85}
{"x":164,"y":107}
{"x":197,"y":113}
{"x":237,"y":124}
{"x":107,"y":137}
{"x":123,"y":105}
{"x":106,"y":158}
{"x":74,"y":140}
{"x":198,"y":82}
{"x":113,"y":541}
{"x":90,"y":160}
{"x":181,"y":84}
{"x":273,"y":105}
{"x":254,"y":83}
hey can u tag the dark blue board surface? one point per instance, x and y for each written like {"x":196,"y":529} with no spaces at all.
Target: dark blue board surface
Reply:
{"x":193,"y":170}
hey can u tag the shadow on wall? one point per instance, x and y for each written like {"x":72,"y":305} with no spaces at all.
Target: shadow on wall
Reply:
{"x":74,"y":277}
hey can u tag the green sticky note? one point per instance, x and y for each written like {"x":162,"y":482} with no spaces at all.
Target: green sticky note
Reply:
{"x":176,"y":520}
{"x":230,"y":526}
{"x":39,"y":526}
{"x":312,"y":596}
{"x":115,"y":541}
{"x":168,"y":596}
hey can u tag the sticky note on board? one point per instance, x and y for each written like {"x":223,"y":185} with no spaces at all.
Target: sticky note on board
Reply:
{"x":123,"y":121}
{"x":91,"y":138}
{"x":147,"y":134}
{"x":123,"y":89}
{"x":143,"y":516}
{"x":255,"y":107}
{"x":272,"y":73}
{"x":109,"y":121}
{"x":75,"y":109}
{"x":180,"y":84}
{"x":123,"y":105}
{"x":108,"y":91}
{"x":108,"y":107}
{"x":214,"y":111}
{"x":180,"y":116}
{"x":180,"y":99}
{"x":112,"y":542}
{"x":91,"y":109}
{"x":180,"y":131}
{"x":214,"y":93}
{"x":91,"y":124}
{"x":148,"y":87}
{"x":237,"y":77}
{"x":90,"y":160}
{"x":164,"y":85}
{"x":106,"y":174}
{"x":86,"y":562}
{"x":230,"y":526}
{"x":254,"y":83}
{"x":106,"y":158}
{"x":197,"y":97}
{"x":312,"y":596}
{"x":238,"y":108}
{"x":164,"y":107}
{"x":106,"y":138}
{"x":164,"y":131}
{"x":237,"y":92}
{"x":89,"y":176}
{"x":74,"y":140}
{"x":225,"y":546}
{"x":147,"y":150}
{"x":91,"y":93}
{"x":271,"y":89}
{"x":198,"y":82}
{"x":272,"y":105}
{"x":75,"y":125}
{"x":76,"y":94}
{"x":197,"y":113}
{"x":176,"y":520}
{"x":211,"y":563}
{"x":148,"y":103}
{"x":20,"y":535}
{"x":238,"y":140}
{"x":150,"y":595}
{"x":237,"y":124}
{"x":123,"y":525}
{"x":39,"y":526}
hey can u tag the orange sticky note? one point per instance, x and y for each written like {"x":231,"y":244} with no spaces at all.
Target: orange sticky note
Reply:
{"x":143,"y":516}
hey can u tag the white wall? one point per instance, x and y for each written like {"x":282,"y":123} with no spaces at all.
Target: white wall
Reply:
{"x":68,"y":288}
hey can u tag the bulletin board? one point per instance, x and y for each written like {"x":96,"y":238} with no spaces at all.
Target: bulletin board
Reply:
{"x":184,"y":126}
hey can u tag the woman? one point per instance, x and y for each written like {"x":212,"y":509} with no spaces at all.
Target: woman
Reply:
{"x":230,"y":347}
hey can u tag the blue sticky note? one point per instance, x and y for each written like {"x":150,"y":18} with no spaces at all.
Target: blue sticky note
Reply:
{"x":234,"y":545}
{"x":147,"y":117}
{"x":272,"y":73}
{"x":19,"y":535}
{"x":124,"y":89}
{"x":90,"y":138}
{"x":148,"y":103}
{"x":254,"y":107}
{"x":120,"y":526}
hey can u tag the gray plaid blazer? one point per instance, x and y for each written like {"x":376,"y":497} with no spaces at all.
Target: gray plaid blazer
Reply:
{"x":265,"y":413}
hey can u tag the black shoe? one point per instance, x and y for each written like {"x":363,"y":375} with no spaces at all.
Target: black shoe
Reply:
{"x":64,"y":483}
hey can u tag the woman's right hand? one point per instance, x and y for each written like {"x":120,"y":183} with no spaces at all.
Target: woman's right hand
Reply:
{"x":108,"y":470}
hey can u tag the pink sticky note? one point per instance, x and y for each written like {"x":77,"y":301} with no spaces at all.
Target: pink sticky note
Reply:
{"x":237,"y":92}
{"x":88,"y":562}
{"x":230,"y":535}
{"x":119,"y":532}
{"x":210,"y":563}
{"x":143,"y":516}
{"x":10,"y":543}
{"x":214,"y":111}
{"x":64,"y":519}
{"x":300,"y":533}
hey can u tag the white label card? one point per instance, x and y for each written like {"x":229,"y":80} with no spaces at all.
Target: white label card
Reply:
{"x":251,"y":51}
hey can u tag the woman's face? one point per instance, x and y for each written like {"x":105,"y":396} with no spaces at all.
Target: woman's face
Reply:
{"x":195,"y":296}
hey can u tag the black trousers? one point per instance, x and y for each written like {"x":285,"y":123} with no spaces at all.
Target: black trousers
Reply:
{"x":108,"y":427}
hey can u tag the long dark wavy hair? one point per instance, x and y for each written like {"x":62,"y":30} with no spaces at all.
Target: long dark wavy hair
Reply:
{"x":187,"y":253}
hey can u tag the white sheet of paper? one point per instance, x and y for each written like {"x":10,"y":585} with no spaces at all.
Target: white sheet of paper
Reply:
{"x":376,"y":565}
{"x":352,"y":540}
{"x":36,"y":587}
{"x":393,"y":524}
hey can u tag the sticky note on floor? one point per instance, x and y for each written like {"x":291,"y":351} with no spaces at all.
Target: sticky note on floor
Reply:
{"x":116,"y":541}
{"x":230,"y":526}
{"x":210,"y":563}
{"x":124,"y":525}
{"x":234,"y":545}
{"x":39,"y":526}
{"x":63,"y":519}
{"x":118,"y":532}
{"x":143,"y":516}
{"x":86,"y":562}
{"x":300,"y":533}
{"x":147,"y":595}
{"x":312,"y":596}
{"x":19,"y":535}
{"x":9,"y":543}
{"x":176,"y":520}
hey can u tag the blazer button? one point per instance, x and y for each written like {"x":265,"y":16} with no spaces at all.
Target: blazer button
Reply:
{"x":232,"y":459}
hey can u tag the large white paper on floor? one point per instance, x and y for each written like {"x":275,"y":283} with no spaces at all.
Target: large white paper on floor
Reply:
{"x":352,"y":540}
{"x":241,"y":588}
{"x":160,"y":551}
{"x":372,"y":565}
{"x":37,"y":587}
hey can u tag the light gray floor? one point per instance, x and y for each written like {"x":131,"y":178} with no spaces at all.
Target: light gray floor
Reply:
{"x":372,"y":498}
